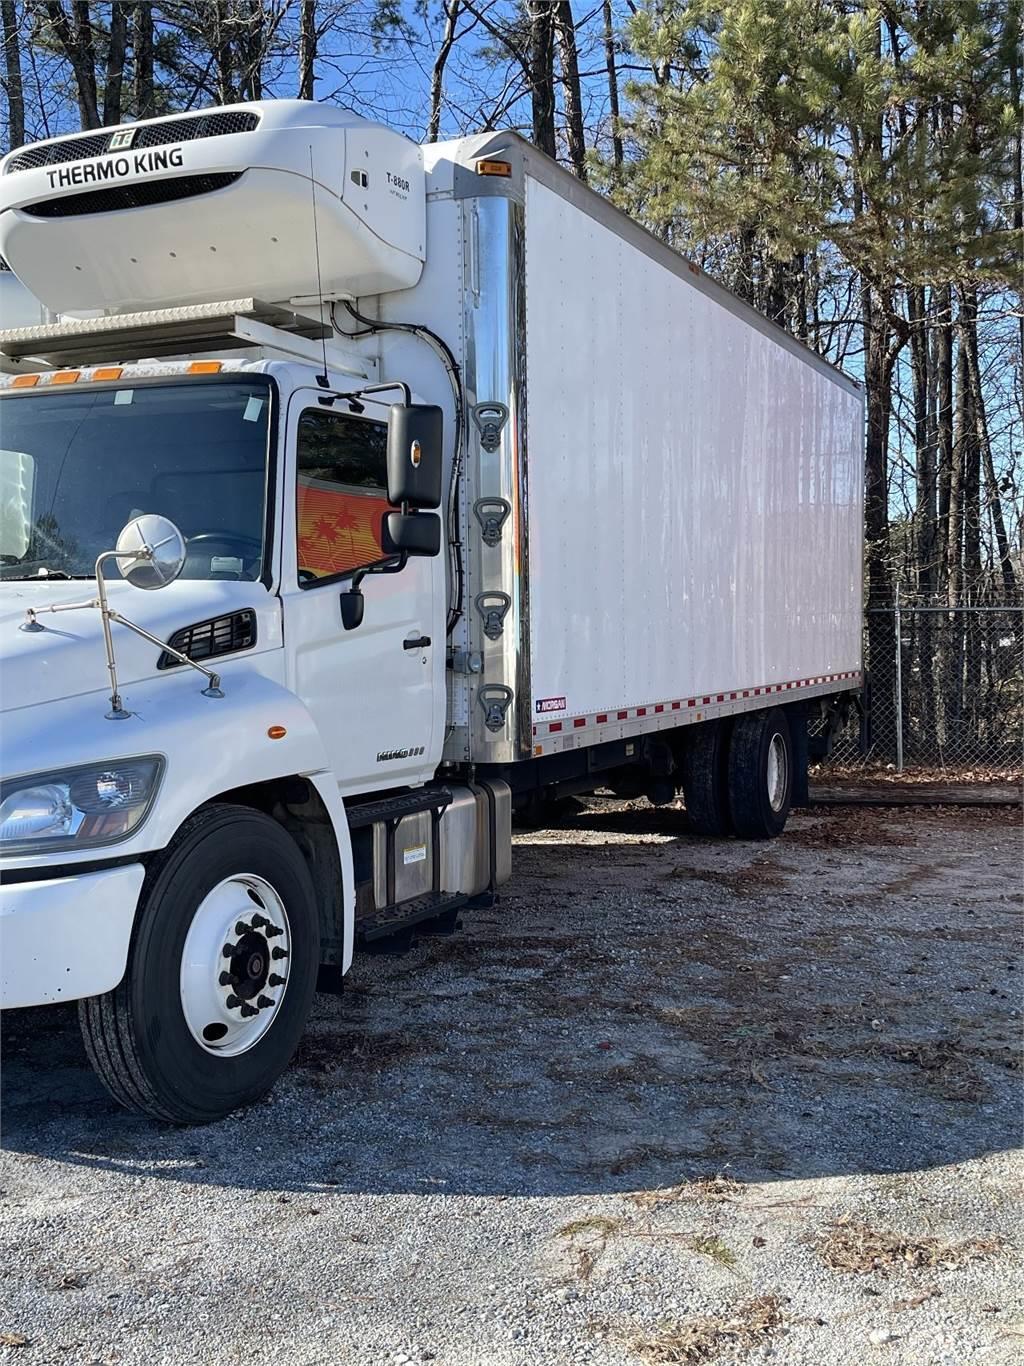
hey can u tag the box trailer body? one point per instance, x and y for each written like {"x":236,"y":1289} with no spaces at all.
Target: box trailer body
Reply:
{"x":633,"y":558}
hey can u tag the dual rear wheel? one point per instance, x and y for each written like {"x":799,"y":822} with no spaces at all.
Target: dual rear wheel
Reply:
{"x":738,"y":775}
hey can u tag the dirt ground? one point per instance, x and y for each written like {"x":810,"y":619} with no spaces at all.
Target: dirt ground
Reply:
{"x":670,"y":1101}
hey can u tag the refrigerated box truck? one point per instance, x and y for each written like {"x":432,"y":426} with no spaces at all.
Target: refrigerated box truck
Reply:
{"x":460,"y":492}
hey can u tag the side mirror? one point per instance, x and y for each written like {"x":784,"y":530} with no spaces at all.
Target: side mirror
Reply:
{"x":352,"y":605}
{"x":415,"y":436}
{"x":411,"y":533}
{"x":150,"y":552}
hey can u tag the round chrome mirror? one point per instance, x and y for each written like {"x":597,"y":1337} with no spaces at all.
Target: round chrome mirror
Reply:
{"x":150,"y":551}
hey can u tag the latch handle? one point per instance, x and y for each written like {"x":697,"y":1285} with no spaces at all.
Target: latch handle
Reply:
{"x":493,"y":608}
{"x":495,"y":698}
{"x":492,"y":514}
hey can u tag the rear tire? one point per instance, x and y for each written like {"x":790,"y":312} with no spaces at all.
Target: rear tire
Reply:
{"x":705,"y":785}
{"x":146,"y":1038}
{"x":760,"y":774}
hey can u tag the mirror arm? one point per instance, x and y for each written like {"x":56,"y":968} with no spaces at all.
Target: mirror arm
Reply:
{"x":214,"y":689}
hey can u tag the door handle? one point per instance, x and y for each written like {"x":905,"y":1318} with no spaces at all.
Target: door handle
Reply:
{"x":416,"y":643}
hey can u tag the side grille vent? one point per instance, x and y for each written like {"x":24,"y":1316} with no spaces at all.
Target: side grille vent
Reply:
{"x":207,"y":639}
{"x":212,"y":125}
{"x":132,"y":196}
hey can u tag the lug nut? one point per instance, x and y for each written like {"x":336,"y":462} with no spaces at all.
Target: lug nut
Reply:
{"x":279,"y":953}
{"x":233,"y":1002}
{"x":242,"y":928}
{"x":258,"y":921}
{"x":228,"y":950}
{"x":248,"y":1010}
{"x":273,"y":931}
{"x":227,"y":979}
{"x":274,"y":980}
{"x":264,"y":1001}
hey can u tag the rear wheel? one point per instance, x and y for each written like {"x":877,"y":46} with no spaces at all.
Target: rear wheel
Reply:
{"x":705,"y":786}
{"x":760,"y":774}
{"x":220,"y":976}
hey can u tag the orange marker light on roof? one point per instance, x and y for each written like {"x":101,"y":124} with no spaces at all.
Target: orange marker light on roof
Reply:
{"x":108,"y":372}
{"x":66,"y":377}
{"x":502,"y":168}
{"x":276,"y":732}
{"x":25,"y":382}
{"x":205,"y":367}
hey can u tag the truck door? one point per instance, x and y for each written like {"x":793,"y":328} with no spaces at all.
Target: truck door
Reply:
{"x":376,"y":693}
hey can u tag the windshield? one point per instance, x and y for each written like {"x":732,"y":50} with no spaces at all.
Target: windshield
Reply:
{"x":77,"y":464}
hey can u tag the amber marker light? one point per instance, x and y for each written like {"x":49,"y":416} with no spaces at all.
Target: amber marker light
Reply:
{"x":205,"y":367}
{"x":108,"y":372}
{"x":25,"y":382}
{"x":66,"y":377}
{"x":502,"y":168}
{"x":276,"y":732}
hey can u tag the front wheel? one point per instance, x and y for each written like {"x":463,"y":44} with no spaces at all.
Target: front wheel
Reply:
{"x":220,"y":976}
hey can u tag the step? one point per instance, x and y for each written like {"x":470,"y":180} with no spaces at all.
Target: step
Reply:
{"x":394,"y":808}
{"x":394,"y":919}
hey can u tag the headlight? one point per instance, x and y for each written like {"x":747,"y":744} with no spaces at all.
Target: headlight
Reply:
{"x":76,"y":808}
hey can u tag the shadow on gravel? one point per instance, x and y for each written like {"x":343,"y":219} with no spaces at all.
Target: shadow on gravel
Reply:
{"x":638,"y":1011}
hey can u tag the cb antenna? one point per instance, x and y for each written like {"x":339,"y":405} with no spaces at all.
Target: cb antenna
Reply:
{"x":322,"y":380}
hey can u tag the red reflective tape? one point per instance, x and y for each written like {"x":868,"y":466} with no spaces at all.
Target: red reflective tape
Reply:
{"x":659,"y":707}
{"x":676,"y":706}
{"x":732,"y":697}
{"x":720,"y":697}
{"x":554,"y":725}
{"x":579,"y":721}
{"x":691,"y":702}
{"x":602,"y":718}
{"x":747,"y":693}
{"x":707,"y":700}
{"x":623,"y":715}
{"x":641,"y":711}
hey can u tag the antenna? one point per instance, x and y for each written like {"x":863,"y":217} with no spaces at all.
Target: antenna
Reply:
{"x":322,"y":380}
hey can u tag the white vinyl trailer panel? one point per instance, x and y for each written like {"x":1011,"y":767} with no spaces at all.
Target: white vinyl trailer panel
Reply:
{"x":694,"y":491}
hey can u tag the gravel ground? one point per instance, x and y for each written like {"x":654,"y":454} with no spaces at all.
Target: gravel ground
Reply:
{"x":670,"y":1101}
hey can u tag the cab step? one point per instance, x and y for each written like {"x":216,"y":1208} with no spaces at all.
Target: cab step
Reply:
{"x":396,"y":919}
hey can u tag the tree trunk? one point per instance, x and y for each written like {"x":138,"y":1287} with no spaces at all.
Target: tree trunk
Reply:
{"x":969,"y":345}
{"x":924,"y":519}
{"x":15,"y":88}
{"x":116,"y":53}
{"x":613,"y":83}
{"x":223,"y":53}
{"x":142,"y":46}
{"x":451,"y":15}
{"x":308,"y":41}
{"x":565,"y":30}
{"x":542,"y":79}
{"x":944,"y":422}
{"x":76,"y":42}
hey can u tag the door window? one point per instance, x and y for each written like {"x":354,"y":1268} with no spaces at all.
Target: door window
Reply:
{"x":341,"y":494}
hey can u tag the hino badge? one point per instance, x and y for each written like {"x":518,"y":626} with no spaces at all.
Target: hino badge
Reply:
{"x":356,"y":495}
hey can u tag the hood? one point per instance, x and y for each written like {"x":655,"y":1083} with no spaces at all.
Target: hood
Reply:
{"x":67,"y":658}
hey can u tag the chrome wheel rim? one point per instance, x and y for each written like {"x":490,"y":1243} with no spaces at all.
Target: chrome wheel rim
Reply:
{"x":234,"y":966}
{"x":778,"y":772}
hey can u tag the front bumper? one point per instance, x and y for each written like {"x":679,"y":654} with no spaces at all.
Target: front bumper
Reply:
{"x":65,"y":938}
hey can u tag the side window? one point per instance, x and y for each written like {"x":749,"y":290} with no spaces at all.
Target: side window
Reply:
{"x":341,"y":497}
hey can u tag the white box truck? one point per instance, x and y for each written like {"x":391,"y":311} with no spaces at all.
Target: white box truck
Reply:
{"x":459,"y":492}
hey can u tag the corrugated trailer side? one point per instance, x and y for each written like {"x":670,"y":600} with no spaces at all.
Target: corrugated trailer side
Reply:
{"x":694,"y":487}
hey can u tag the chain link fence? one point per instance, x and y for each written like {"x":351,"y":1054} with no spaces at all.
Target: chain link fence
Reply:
{"x":944,"y":692}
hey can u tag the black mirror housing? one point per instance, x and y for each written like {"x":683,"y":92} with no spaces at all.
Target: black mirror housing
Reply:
{"x":415,"y":437}
{"x":352,"y":604}
{"x":411,"y":533}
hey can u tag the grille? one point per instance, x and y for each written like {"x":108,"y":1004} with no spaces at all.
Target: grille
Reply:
{"x":132,"y":196}
{"x":146,"y":135}
{"x":207,"y":639}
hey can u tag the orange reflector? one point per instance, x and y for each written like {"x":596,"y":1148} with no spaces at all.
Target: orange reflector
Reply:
{"x":205,"y":367}
{"x":108,"y":372}
{"x":25,"y":382}
{"x":66,"y":376}
{"x":276,"y":732}
{"x":493,"y":168}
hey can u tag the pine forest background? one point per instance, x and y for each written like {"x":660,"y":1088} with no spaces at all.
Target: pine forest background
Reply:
{"x":851,"y":168}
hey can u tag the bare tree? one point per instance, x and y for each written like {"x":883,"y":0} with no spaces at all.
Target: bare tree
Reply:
{"x":13,"y":83}
{"x":451,"y":16}
{"x":142,"y":47}
{"x":117,"y":51}
{"x":308,"y":44}
{"x":565,"y":30}
{"x":613,"y":83}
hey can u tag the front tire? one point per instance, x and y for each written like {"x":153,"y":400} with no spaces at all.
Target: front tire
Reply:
{"x":760,"y":774}
{"x":221,"y":972}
